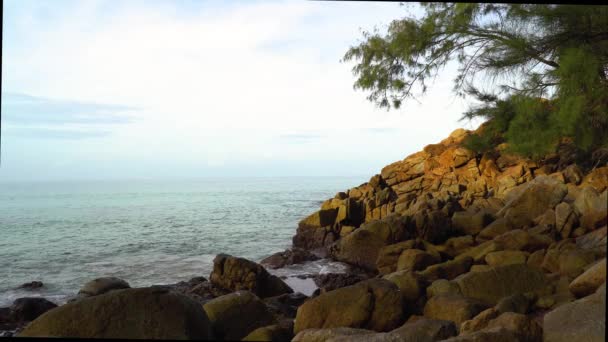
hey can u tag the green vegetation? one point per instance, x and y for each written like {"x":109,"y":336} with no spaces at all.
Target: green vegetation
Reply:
{"x":547,"y":66}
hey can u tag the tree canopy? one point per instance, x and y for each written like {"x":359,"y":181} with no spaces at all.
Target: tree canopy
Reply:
{"x":547,"y":66}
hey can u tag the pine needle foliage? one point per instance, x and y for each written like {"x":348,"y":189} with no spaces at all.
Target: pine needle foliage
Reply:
{"x":547,"y":66}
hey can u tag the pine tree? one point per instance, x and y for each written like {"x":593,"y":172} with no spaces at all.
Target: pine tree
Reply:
{"x":547,"y":64}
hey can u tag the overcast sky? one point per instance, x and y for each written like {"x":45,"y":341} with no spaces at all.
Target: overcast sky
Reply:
{"x":146,"y":89}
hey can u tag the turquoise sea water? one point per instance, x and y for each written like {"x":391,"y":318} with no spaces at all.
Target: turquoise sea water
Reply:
{"x":146,"y":232}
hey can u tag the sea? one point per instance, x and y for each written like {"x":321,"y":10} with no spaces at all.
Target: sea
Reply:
{"x":150,"y":232}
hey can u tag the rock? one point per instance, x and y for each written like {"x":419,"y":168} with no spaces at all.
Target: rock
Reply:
{"x":313,"y":230}
{"x":285,"y":305}
{"x":415,"y":260}
{"x":522,"y":240}
{"x":592,"y":208}
{"x":329,"y":334}
{"x":145,"y":313}
{"x":235,"y":274}
{"x":290,"y":256}
{"x":506,"y":258}
{"x":536,"y":258}
{"x":423,"y":330}
{"x":496,"y":228}
{"x":501,"y":281}
{"x":374,"y":304}
{"x":32,"y":285}
{"x":447,"y":270}
{"x":573,"y":262}
{"x":29,"y":308}
{"x":457,"y":245}
{"x":565,"y":219}
{"x":516,"y":303}
{"x":442,"y":286}
{"x":453,"y":308}
{"x":478,"y":322}
{"x":533,"y":199}
{"x":434,"y":226}
{"x":389,"y":255}
{"x":360,"y":248}
{"x":480,"y":268}
{"x":468,"y":223}
{"x":103,"y":285}
{"x":525,"y":328}
{"x":235,"y":315}
{"x":581,"y":320}
{"x":595,"y":240}
{"x":331,"y":281}
{"x":276,"y":332}
{"x":487,"y":335}
{"x":409,"y":283}
{"x":479,"y":252}
{"x":573,"y":174}
{"x":588,"y":282}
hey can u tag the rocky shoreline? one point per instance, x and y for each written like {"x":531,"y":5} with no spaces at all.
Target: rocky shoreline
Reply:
{"x":443,"y":245}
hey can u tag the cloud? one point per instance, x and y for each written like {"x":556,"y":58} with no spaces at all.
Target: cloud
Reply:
{"x":177,"y":82}
{"x":54,"y":133}
{"x":301,"y":138}
{"x":42,"y":118}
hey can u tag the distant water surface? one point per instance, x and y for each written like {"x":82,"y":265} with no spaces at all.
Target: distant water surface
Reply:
{"x":146,"y":232}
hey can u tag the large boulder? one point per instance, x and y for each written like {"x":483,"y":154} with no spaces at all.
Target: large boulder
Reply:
{"x":374,"y":304}
{"x":531,"y":199}
{"x":102,"y":285}
{"x":455,"y":308}
{"x":315,"y":231}
{"x":581,"y":320}
{"x":501,"y":281}
{"x":144,"y":313}
{"x":409,"y":283}
{"x":416,"y":260}
{"x":588,"y":282}
{"x":592,"y":207}
{"x":331,"y":281}
{"x":235,"y":315}
{"x":524,"y":327}
{"x":29,"y":308}
{"x":235,"y":274}
{"x":506,"y":258}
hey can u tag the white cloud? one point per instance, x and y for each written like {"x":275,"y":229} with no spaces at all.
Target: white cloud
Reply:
{"x":221,"y":84}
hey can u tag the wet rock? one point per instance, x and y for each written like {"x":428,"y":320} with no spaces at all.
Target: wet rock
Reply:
{"x":288,"y":257}
{"x":102,"y":285}
{"x":374,"y":304}
{"x":235,"y":274}
{"x":145,"y":313}
{"x":285,"y":305}
{"x":235,"y":315}
{"x":331,"y":281}
{"x":33,"y":285}
{"x":29,"y":308}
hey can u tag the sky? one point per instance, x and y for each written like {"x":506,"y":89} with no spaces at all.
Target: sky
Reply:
{"x":170,"y":89}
